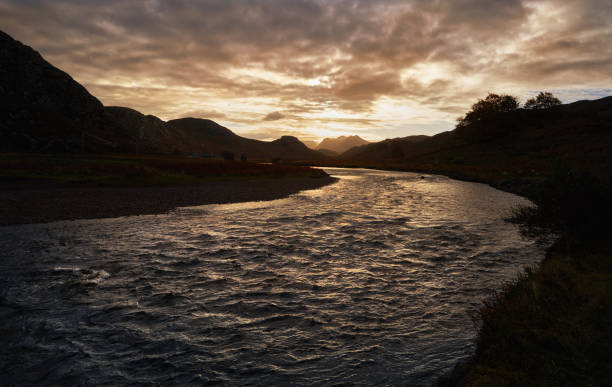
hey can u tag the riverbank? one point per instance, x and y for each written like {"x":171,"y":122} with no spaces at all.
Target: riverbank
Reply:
{"x":551,"y":327}
{"x":39,"y":188}
{"x":38,"y":202}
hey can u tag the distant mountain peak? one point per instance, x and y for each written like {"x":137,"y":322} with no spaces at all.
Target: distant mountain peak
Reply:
{"x":342,"y":143}
{"x":291,"y":141}
{"x":201,"y":126}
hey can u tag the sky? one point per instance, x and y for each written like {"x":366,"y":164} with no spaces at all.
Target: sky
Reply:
{"x":315,"y":68}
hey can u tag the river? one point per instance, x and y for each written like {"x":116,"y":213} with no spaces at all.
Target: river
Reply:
{"x":368,"y":280}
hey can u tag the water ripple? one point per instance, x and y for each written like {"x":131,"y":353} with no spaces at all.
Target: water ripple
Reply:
{"x":366,"y":281}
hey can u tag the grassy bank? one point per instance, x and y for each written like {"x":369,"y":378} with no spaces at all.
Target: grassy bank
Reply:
{"x":552,"y":327}
{"x":135,"y":170}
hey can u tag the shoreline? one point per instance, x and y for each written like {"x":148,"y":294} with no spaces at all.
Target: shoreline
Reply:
{"x":28,"y":203}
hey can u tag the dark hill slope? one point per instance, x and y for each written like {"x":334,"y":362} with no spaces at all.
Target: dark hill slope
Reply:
{"x":207,"y":137}
{"x":41,"y":107}
{"x":507,"y":148}
{"x":131,"y":131}
{"x":328,"y":152}
{"x":383,"y":150}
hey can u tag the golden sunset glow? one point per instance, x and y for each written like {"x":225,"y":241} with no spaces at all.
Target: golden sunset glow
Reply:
{"x":315,"y":69}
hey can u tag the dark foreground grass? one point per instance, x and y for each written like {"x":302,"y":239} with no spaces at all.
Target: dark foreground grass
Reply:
{"x":135,"y":170}
{"x":553,"y":327}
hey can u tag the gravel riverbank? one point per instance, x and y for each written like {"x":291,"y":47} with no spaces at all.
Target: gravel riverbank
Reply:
{"x":23,"y":203}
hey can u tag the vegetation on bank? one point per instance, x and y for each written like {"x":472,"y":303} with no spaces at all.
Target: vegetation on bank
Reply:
{"x":135,"y":170}
{"x":550,"y":328}
{"x":553,"y":325}
{"x":576,"y":205}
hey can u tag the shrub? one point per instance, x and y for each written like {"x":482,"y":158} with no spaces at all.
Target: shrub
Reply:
{"x":493,"y":103}
{"x":573,"y":204}
{"x":544,"y":100}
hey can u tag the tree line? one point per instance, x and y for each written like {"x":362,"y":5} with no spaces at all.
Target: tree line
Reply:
{"x":495,"y":103}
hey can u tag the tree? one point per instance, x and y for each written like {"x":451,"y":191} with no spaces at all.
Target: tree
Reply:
{"x":544,"y":100}
{"x":493,"y":103}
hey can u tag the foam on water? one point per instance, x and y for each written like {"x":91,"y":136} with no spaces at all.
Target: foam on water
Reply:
{"x":365,"y":281}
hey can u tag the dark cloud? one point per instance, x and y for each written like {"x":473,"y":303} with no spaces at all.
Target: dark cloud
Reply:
{"x":310,"y":57}
{"x":274,"y":116}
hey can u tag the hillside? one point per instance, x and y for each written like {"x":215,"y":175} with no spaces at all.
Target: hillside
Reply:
{"x":506,"y":148}
{"x":42,"y":109}
{"x":341,"y":144}
{"x":384,"y":150}
{"x":39,"y":101}
{"x":310,"y":143}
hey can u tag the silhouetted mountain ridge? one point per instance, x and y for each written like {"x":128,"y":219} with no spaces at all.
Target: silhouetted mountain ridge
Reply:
{"x":43,"y":109}
{"x":341,"y":144}
{"x":208,"y":138}
{"x":37,"y":100}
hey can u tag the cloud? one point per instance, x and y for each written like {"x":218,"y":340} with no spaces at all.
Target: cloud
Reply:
{"x":312,"y":59}
{"x":274,"y":116}
{"x":209,"y":114}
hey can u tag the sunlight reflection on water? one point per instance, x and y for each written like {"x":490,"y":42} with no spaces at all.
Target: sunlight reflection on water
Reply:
{"x":368,"y":280}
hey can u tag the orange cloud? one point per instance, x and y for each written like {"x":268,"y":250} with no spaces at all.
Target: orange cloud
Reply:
{"x":368,"y":61}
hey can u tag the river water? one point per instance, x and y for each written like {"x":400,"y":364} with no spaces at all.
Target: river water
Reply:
{"x":367,"y":281}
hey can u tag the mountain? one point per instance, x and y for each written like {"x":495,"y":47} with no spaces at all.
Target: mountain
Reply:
{"x":310,"y":143}
{"x":43,"y":109}
{"x":328,"y":152}
{"x":209,"y":138}
{"x":341,"y":144}
{"x":131,"y":131}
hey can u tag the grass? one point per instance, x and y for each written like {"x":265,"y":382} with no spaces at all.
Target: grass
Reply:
{"x":551,"y":327}
{"x":136,"y":170}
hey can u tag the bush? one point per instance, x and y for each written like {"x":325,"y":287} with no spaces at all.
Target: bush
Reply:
{"x":544,"y":100}
{"x":572,"y":204}
{"x":493,"y":103}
